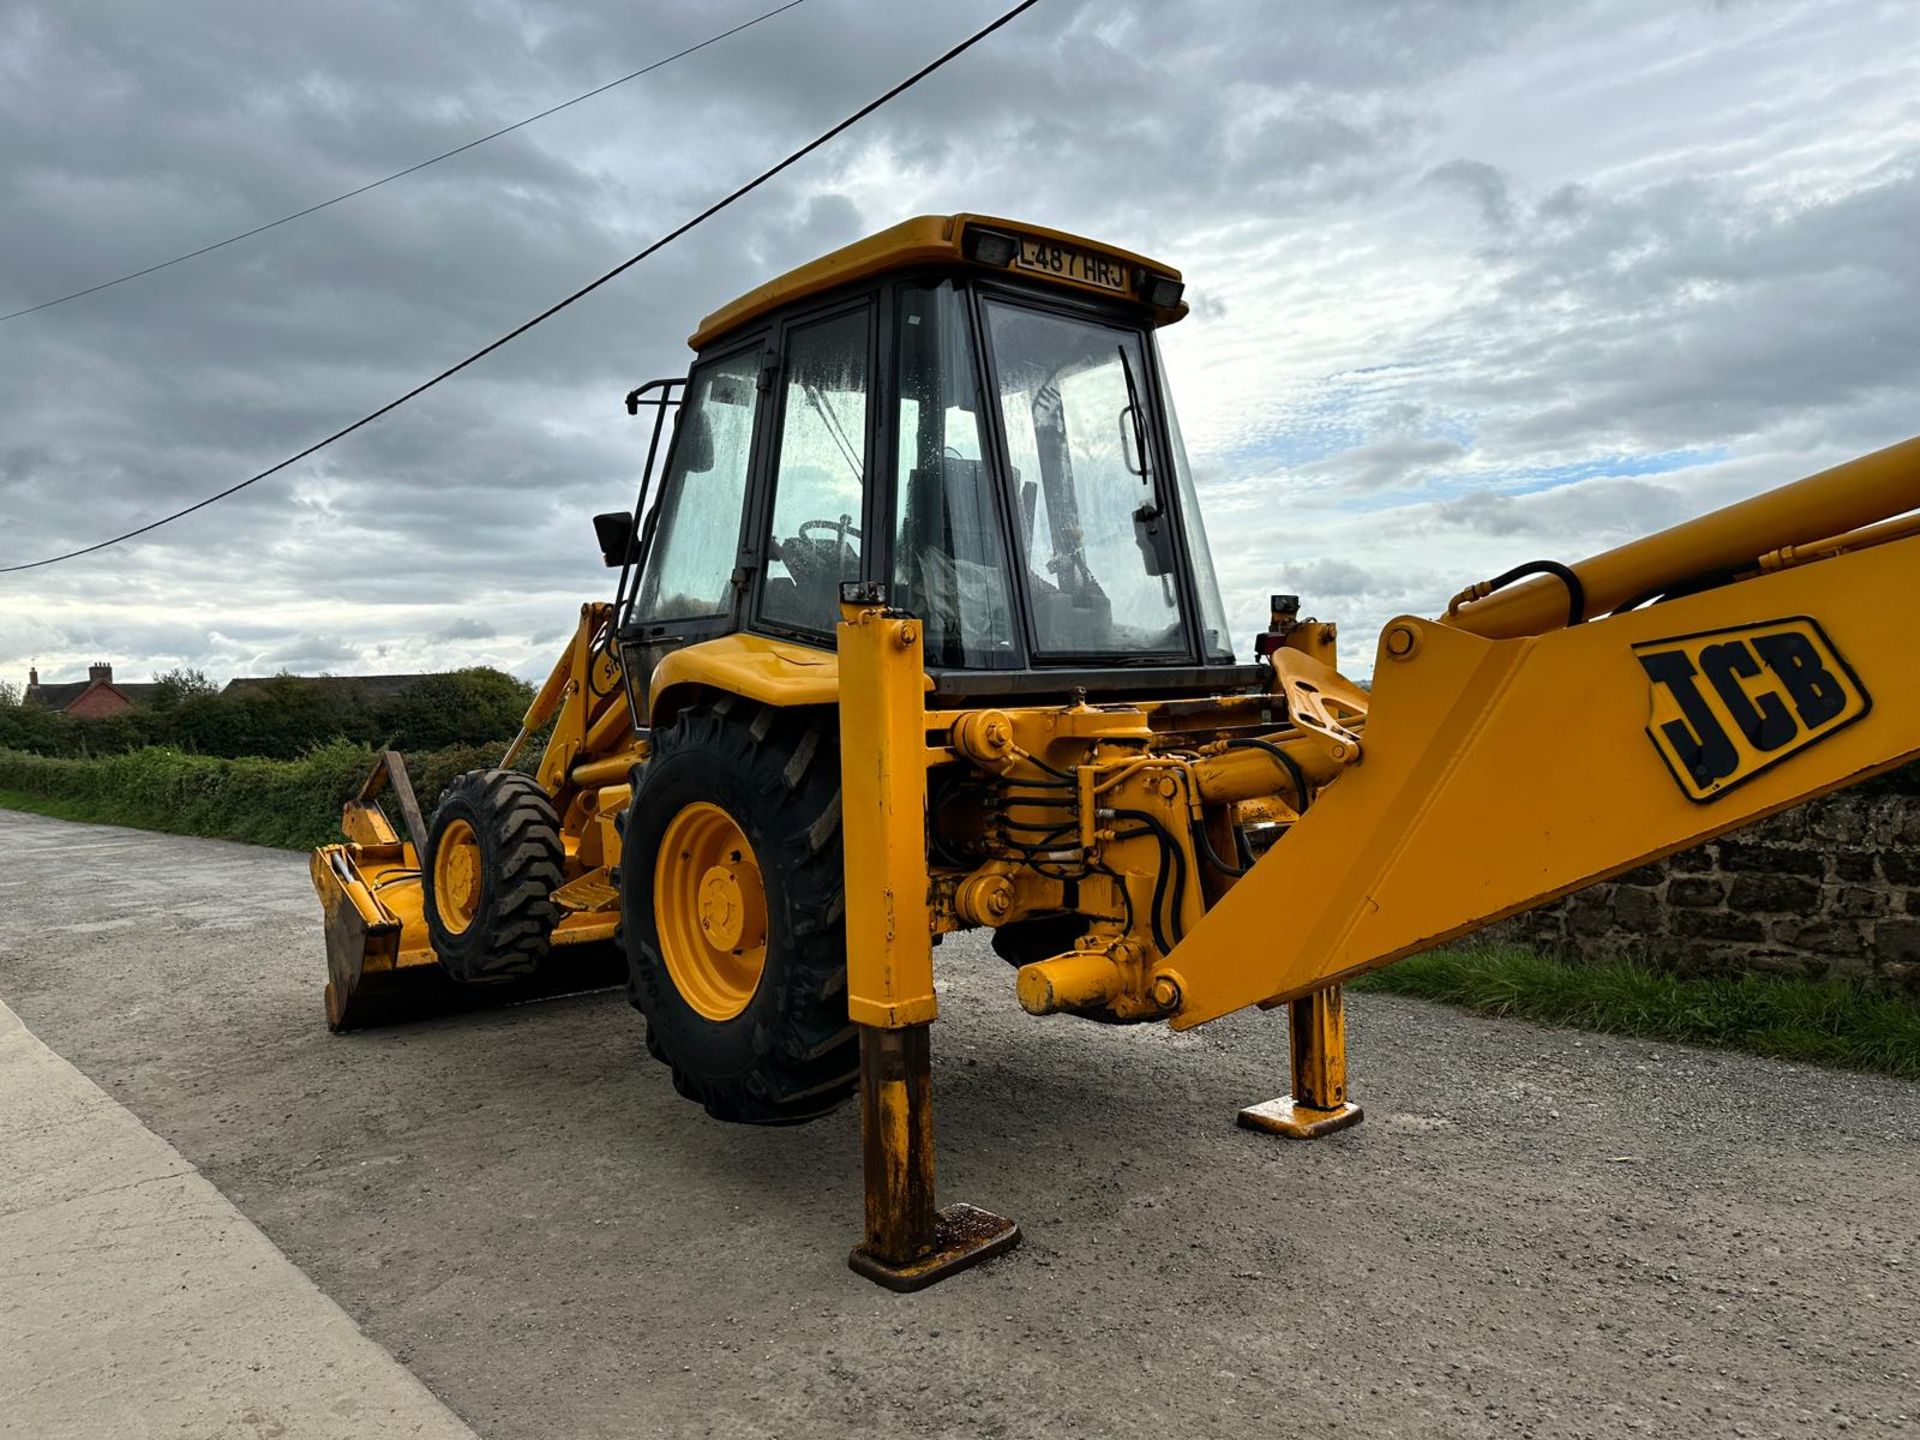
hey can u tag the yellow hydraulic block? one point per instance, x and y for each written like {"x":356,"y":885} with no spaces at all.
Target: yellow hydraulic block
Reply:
{"x":1318,"y":1105}
{"x":908,"y":1243}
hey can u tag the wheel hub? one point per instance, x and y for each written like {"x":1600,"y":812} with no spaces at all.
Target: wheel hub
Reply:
{"x":730,"y":905}
{"x":710,"y":910}
{"x":456,"y":876}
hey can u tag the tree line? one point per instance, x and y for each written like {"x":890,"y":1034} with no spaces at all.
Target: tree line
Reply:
{"x":281,"y":719}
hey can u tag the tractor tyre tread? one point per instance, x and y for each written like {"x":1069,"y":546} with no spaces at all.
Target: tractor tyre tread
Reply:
{"x":791,"y":1055}
{"x":522,"y":864}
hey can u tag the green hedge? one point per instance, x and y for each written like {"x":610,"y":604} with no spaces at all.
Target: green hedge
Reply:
{"x":294,"y":804}
{"x":283,"y":719}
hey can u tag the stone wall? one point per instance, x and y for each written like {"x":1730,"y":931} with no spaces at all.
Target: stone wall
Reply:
{"x":1831,"y":888}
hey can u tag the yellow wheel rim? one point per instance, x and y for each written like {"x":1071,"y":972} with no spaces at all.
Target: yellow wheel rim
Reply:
{"x":711,"y":911}
{"x":456,"y":876}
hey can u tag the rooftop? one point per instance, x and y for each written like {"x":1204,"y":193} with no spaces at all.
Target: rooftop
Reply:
{"x":940,"y":240}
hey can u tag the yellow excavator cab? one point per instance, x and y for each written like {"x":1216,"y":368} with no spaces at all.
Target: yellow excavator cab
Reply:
{"x":917,"y":630}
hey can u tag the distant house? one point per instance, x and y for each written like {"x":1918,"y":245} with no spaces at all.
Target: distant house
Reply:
{"x":88,"y":699}
{"x":369,"y":687}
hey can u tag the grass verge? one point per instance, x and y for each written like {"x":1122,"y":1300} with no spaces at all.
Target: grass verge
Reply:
{"x":1820,"y":1022}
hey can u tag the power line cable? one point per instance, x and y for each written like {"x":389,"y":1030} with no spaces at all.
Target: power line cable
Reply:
{"x":399,"y":174}
{"x":554,"y":309}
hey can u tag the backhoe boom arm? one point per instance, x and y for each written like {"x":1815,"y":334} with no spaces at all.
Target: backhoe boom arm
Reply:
{"x":1500,"y":773}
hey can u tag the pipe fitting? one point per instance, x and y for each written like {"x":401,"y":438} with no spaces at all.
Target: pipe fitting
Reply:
{"x":985,"y":737}
{"x":984,"y":899}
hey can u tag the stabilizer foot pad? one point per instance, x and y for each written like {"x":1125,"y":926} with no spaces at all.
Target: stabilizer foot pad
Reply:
{"x":964,"y":1235}
{"x":1298,"y":1122}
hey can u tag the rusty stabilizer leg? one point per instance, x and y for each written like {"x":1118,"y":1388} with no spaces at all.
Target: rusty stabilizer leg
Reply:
{"x":890,"y":995}
{"x":1318,"y":1105}
{"x":909,"y":1244}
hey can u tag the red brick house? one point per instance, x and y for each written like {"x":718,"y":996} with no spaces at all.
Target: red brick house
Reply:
{"x":88,"y":699}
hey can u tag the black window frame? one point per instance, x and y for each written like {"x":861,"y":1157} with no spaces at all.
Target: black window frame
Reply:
{"x":763,"y":480}
{"x":992,"y":456}
{"x":1040,"y":674}
{"x":703,"y":627}
{"x":1047,"y":300}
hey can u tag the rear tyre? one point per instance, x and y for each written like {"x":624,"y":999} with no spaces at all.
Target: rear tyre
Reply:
{"x":732,"y":903}
{"x":493,"y":861}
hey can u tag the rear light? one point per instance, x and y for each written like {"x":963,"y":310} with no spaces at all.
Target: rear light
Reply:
{"x":990,"y":247}
{"x":1163,"y":292}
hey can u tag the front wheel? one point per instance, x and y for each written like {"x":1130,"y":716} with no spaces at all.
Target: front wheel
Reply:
{"x":494,"y":858}
{"x":732,"y":901}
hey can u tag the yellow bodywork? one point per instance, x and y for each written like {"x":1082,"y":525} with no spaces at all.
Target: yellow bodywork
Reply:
{"x":883,"y":780}
{"x":928,"y":240}
{"x":1482,"y":774}
{"x":755,"y":667}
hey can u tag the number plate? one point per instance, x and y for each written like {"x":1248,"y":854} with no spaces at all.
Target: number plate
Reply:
{"x":1068,"y":262}
{"x":1728,"y":704}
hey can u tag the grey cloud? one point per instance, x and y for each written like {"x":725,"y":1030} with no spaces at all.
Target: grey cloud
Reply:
{"x":1481,"y":183}
{"x":1665,"y":281}
{"x":1328,"y":577}
{"x":1397,"y":461}
{"x":308,"y":655}
{"x":466,"y":628}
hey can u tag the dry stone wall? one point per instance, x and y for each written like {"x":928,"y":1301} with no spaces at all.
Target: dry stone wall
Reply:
{"x":1831,"y":888}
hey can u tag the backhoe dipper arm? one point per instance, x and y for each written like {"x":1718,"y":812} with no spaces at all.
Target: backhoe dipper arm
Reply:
{"x":1508,"y":759}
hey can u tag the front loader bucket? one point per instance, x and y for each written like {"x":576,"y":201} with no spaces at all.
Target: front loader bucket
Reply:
{"x":380,"y":967}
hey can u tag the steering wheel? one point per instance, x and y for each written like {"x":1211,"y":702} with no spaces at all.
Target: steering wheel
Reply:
{"x":843,"y":529}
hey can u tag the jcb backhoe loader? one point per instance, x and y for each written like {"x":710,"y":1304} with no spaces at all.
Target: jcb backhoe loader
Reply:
{"x":918,"y":631}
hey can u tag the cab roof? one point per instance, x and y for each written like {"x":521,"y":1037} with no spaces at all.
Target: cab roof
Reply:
{"x":956,"y":240}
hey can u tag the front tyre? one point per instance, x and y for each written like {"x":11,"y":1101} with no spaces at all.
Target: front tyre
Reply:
{"x":732,"y":912}
{"x":494,"y":859}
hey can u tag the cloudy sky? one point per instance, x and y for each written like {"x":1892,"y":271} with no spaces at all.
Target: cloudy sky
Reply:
{"x":1473,"y":282}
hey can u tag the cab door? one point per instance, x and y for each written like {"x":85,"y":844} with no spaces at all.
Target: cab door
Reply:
{"x":696,"y":539}
{"x":818,"y":473}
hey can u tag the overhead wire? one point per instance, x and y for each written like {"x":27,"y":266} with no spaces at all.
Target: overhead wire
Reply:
{"x":398,"y":174}
{"x":714,"y":209}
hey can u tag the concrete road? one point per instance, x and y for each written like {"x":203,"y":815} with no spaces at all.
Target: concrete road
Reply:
{"x":139,"y":1302}
{"x":1534,"y":1233}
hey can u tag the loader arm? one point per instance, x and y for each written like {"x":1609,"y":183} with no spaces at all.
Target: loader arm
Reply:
{"x":1501,"y":770}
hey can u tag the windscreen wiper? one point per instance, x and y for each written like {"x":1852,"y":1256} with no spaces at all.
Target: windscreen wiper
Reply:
{"x":1156,"y":549}
{"x":1151,"y":509}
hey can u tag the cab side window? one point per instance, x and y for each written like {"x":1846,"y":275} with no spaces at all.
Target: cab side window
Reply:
{"x":820,"y":473}
{"x":697,"y":541}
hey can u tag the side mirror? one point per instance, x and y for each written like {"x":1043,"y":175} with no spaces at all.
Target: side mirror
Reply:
{"x":614,"y":531}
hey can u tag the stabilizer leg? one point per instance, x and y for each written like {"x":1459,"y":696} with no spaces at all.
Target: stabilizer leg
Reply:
{"x":909,"y":1244}
{"x":890,"y":997}
{"x":1318,"y":1105}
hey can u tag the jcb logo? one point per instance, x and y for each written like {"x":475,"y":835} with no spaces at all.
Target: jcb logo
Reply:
{"x":1730,"y":703}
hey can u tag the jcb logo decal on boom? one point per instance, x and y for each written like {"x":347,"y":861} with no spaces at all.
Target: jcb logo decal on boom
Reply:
{"x":1728,"y":704}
